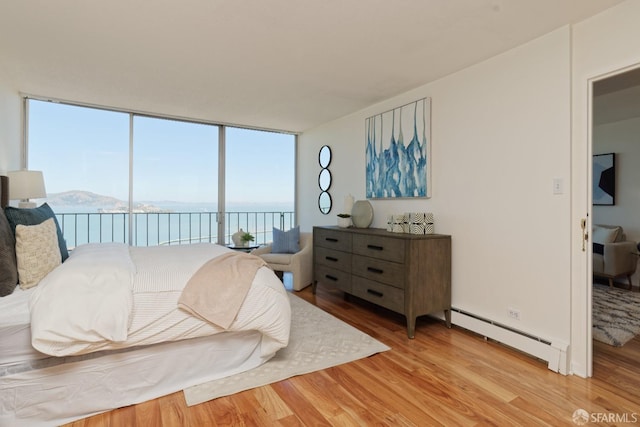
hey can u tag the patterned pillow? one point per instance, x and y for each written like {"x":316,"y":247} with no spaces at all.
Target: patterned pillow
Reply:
{"x":8,"y":267}
{"x":36,"y":216}
{"x":286,"y":242}
{"x":37,"y":252}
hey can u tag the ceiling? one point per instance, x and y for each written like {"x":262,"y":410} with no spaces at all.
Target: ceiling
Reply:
{"x":617,"y":97}
{"x":278,"y":64}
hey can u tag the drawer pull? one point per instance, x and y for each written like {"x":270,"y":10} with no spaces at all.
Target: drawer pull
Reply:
{"x":328,"y":276}
{"x":330,"y":258}
{"x":375,"y":293}
{"x":331,"y":239}
{"x":375,"y":270}
{"x":375,"y":247}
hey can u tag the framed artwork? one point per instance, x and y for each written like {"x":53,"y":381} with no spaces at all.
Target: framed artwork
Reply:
{"x":604,"y":179}
{"x":398,"y":152}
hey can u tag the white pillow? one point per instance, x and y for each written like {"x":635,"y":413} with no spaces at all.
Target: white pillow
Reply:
{"x":603,"y":235}
{"x":37,"y":252}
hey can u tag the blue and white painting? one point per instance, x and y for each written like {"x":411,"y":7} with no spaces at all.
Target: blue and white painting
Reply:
{"x":398,"y":154}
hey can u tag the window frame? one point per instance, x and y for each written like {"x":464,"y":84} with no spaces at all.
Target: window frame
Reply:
{"x":222,"y":127}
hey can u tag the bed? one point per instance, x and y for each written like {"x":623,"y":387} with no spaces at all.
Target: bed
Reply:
{"x":161,"y":330}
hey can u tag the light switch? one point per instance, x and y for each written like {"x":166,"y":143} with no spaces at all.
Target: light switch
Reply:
{"x":558,"y":186}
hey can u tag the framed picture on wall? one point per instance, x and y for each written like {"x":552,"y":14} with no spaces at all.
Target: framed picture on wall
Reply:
{"x":398,"y":152}
{"x":604,"y":179}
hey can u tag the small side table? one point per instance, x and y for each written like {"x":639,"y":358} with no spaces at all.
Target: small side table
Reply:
{"x":247,"y":248}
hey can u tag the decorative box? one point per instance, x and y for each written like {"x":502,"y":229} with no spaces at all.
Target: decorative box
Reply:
{"x":397,"y":225}
{"x":420,"y":223}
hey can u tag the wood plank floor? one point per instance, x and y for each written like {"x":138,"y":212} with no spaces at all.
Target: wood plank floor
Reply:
{"x":442,"y":377}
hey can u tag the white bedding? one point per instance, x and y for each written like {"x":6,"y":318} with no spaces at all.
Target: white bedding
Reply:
{"x":15,"y":333}
{"x":112,"y":296}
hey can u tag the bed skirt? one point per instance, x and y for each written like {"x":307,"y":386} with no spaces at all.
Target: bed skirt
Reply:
{"x":33,"y":395}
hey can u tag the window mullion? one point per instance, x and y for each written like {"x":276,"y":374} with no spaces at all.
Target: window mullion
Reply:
{"x":130,"y":209}
{"x":221,"y":185}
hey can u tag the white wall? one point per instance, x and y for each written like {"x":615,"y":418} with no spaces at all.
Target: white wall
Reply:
{"x":604,"y":44}
{"x":500,"y":135}
{"x":10,"y":126}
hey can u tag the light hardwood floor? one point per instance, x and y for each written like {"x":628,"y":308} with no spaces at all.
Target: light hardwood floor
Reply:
{"x":442,"y":377}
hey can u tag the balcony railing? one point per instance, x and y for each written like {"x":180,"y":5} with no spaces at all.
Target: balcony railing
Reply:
{"x":169,"y":228}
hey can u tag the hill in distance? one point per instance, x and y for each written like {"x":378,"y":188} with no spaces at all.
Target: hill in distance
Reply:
{"x":102,"y":203}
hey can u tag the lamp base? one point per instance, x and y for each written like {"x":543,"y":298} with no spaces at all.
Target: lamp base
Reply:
{"x":27,"y":205}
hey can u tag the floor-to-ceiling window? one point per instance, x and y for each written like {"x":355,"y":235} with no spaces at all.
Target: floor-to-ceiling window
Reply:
{"x":259,"y":178}
{"x":125,"y":177}
{"x":84,"y":156}
{"x":175,"y":181}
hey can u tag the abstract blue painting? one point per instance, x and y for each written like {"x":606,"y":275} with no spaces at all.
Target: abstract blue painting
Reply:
{"x":398,"y":152}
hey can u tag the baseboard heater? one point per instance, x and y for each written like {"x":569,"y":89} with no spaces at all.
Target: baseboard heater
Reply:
{"x":554,"y":353}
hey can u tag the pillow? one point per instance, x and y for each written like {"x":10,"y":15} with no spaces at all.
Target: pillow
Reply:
{"x":8,"y":266}
{"x":286,"y":242}
{"x":33,"y":217}
{"x":37,"y":252}
{"x":603,"y":235}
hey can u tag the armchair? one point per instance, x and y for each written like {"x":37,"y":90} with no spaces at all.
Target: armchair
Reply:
{"x":613,"y":255}
{"x":299,"y":264}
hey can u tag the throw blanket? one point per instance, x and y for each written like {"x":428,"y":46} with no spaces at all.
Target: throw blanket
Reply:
{"x":217,"y":290}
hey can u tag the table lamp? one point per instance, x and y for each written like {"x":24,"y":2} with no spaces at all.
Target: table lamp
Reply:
{"x":25,"y":185}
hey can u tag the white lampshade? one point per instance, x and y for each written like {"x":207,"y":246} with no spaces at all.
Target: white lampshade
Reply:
{"x":25,"y":185}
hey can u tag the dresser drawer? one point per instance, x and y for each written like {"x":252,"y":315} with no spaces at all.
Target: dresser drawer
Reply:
{"x":386,"y":248}
{"x":379,"y":270}
{"x":332,"y":239}
{"x":333,"y":278}
{"x":333,"y":259}
{"x":378,"y":293}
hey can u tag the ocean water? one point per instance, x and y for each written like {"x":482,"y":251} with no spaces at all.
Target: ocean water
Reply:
{"x":176,"y":224}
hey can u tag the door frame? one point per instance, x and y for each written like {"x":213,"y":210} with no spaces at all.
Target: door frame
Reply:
{"x":582,"y":208}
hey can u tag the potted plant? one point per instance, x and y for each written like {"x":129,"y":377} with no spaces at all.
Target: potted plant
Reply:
{"x":344,"y":220}
{"x":246,"y":238}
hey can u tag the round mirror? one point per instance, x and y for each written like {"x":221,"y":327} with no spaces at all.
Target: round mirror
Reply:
{"x":324,"y":180}
{"x":324,"y":157}
{"x":324,"y":202}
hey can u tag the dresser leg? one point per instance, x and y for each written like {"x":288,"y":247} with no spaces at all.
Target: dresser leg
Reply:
{"x":447,"y":318}
{"x":411,"y":327}
{"x":314,"y":285}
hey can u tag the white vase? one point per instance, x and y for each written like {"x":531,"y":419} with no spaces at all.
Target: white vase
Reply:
{"x":236,"y":238}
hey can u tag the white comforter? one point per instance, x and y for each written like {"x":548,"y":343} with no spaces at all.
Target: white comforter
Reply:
{"x":111,"y":296}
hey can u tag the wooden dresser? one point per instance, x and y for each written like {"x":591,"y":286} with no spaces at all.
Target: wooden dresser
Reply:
{"x":409,"y":274}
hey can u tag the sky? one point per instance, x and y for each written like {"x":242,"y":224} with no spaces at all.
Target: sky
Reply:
{"x":80,"y":148}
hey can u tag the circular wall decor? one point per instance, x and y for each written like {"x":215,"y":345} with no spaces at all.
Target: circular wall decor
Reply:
{"x":324,"y":156}
{"x":324,"y":180}
{"x":324,"y":202}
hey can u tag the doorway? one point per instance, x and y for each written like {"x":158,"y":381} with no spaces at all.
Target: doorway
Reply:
{"x":615,"y":144}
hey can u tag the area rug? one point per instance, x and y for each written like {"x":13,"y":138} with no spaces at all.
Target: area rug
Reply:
{"x":318,"y":341}
{"x":616,"y":315}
